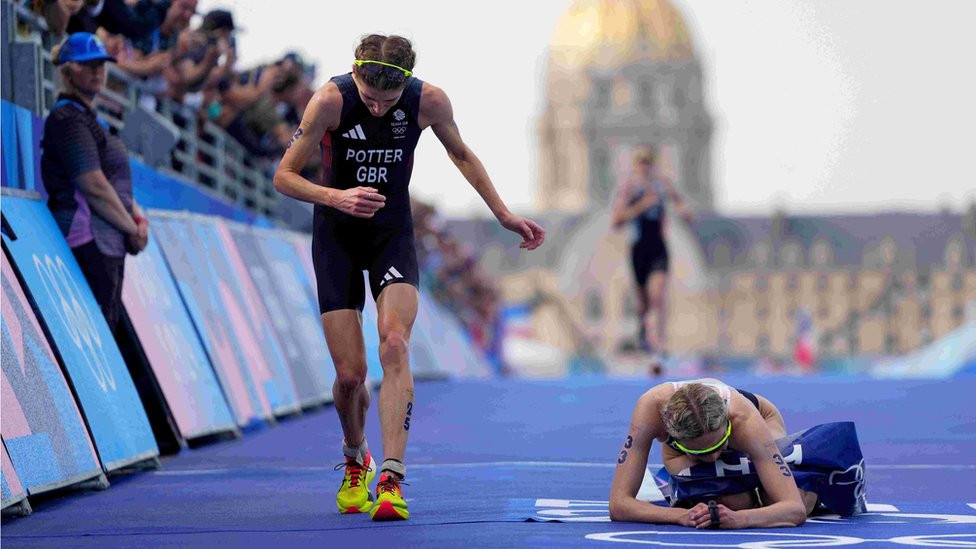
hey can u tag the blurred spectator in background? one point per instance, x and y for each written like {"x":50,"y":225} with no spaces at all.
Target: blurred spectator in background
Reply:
{"x":197,"y":59}
{"x":164,"y":38}
{"x":129,"y":61}
{"x":117,"y":17}
{"x":86,"y":174}
{"x":457,"y":281}
{"x":56,"y":13}
{"x":165,"y":34}
{"x":239,"y":95}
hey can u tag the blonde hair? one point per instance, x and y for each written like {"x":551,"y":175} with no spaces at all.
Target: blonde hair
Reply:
{"x":693,"y":410}
{"x":56,"y":52}
{"x":643,"y":155}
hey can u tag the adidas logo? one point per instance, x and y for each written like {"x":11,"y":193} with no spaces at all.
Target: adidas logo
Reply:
{"x":391,"y":274}
{"x":355,"y":133}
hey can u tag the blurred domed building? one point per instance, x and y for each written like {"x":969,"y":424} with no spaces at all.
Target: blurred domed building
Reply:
{"x":624,"y":73}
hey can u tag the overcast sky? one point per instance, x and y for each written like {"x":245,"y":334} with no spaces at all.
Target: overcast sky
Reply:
{"x":835,"y":105}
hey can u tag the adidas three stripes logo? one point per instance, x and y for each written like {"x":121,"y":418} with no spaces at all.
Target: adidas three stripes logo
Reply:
{"x":355,"y":133}
{"x":391,"y":274}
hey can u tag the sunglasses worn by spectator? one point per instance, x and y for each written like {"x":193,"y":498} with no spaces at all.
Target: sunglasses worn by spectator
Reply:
{"x":372,"y":69}
{"x":709,"y":450}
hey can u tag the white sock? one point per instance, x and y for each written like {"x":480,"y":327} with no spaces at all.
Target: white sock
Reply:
{"x":356,"y":452}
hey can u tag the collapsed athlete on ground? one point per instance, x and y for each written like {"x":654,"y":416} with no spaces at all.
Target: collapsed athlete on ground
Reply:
{"x":696,"y":421}
{"x":367,"y":124}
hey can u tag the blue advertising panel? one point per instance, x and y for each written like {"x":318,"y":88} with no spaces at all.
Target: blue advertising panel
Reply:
{"x":156,"y":190}
{"x":371,"y":334}
{"x":286,"y":319}
{"x":79,"y":333}
{"x":172,"y":346}
{"x":456,"y":353}
{"x":21,"y":156}
{"x":48,"y":442}
{"x":288,"y":274}
{"x":424,"y":359}
{"x":244,"y":310}
{"x":11,"y":490}
{"x":195,"y":282}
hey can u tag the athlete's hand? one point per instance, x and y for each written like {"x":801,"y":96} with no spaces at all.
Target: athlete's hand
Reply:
{"x":694,"y":516}
{"x":727,"y":518}
{"x":532,"y":234}
{"x":358,"y":201}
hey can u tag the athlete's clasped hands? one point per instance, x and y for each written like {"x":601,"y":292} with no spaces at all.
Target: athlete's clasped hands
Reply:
{"x":358,"y":201}
{"x":700,"y":516}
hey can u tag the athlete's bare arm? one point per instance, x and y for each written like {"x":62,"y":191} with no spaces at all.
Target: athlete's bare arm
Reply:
{"x":321,"y":115}
{"x":678,"y":201}
{"x":785,"y":508}
{"x":645,"y":426}
{"x":436,"y":112}
{"x":624,"y":212}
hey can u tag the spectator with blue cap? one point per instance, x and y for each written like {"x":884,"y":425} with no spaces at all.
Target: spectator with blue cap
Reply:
{"x":85,"y":168}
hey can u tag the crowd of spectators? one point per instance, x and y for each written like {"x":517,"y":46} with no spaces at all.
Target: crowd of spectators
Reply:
{"x":156,"y":43}
{"x":195,"y":66}
{"x":451,"y":272}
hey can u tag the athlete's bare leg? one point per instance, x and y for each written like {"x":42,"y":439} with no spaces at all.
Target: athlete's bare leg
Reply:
{"x":641,"y":317}
{"x":397,"y":307}
{"x":654,"y":320}
{"x":344,"y":335}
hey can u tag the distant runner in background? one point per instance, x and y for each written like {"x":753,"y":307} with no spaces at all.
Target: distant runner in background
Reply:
{"x":640,"y":200}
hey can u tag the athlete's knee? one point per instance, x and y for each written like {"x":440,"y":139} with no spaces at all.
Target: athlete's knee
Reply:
{"x":394,"y":343}
{"x":349,"y":379}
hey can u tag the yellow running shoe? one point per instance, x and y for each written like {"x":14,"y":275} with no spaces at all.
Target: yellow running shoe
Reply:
{"x":354,"y":495}
{"x":389,"y":500}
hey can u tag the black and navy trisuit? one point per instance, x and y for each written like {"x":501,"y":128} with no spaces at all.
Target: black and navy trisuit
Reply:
{"x":648,"y":252}
{"x":367,"y":151}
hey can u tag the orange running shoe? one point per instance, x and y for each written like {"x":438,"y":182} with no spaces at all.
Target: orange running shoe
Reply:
{"x":390,"y":504}
{"x":354,"y":495}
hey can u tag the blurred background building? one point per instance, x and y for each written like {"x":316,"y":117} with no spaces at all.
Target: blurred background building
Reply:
{"x":624,"y":73}
{"x":778,"y":290}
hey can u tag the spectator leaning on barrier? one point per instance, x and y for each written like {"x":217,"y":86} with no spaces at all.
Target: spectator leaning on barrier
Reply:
{"x":86,"y":174}
{"x":163,"y":39}
{"x":117,"y":17}
{"x":56,"y":13}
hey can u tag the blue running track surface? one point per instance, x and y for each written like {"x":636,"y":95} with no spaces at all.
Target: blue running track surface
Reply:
{"x":515,"y":463}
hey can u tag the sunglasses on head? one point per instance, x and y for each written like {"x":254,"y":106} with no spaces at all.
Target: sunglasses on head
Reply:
{"x":373,"y":69}
{"x":709,"y":450}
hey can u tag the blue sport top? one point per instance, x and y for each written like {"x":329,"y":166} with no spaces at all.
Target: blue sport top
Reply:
{"x":374,"y":151}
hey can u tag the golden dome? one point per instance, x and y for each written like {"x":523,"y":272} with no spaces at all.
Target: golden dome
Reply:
{"x":608,"y":34}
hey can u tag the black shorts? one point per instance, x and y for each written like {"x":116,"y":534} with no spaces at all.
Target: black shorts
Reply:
{"x":104,"y":275}
{"x":648,"y":255}
{"x":344,"y":246}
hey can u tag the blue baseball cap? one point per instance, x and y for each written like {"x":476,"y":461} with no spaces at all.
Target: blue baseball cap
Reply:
{"x":81,"y":47}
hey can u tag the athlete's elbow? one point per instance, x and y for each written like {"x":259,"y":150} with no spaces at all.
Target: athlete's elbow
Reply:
{"x":616,"y":511}
{"x":797,"y":515}
{"x":280,"y":181}
{"x":619,"y":509}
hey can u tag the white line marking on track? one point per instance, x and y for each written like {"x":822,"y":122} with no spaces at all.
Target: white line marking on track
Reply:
{"x":571,"y":464}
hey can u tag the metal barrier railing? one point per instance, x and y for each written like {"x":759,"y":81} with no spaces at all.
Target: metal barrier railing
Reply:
{"x":204,"y":153}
